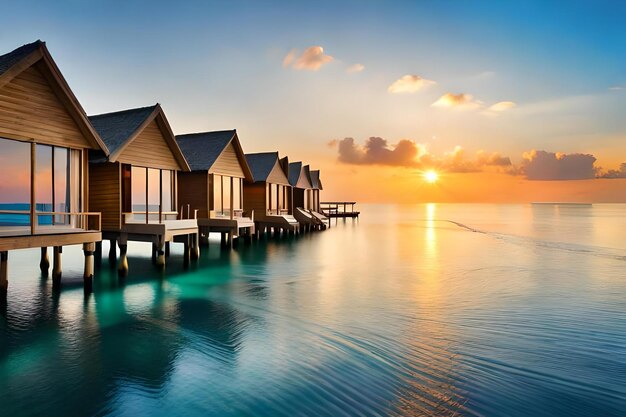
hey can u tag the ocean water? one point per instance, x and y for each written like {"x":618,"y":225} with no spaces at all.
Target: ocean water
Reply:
{"x":477,"y":310}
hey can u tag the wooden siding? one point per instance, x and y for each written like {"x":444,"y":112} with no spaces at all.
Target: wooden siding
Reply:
{"x":228,"y":164}
{"x":193,"y":190}
{"x":303,"y":181}
{"x":30,"y":110}
{"x":149,"y":149}
{"x":277,"y":175}
{"x":105,"y":194}
{"x":254,"y":199}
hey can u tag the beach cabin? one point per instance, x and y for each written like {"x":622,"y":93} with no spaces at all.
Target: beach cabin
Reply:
{"x":268,"y":194}
{"x":135,"y":185}
{"x":45,"y":138}
{"x":315,"y":206}
{"x":214,"y":187}
{"x":301,"y":194}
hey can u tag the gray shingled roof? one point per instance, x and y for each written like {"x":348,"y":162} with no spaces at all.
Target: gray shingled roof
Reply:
{"x":261,"y":164}
{"x":294,"y":172}
{"x":116,"y":128}
{"x":15,"y":56}
{"x":201,"y":150}
{"x":315,"y":180}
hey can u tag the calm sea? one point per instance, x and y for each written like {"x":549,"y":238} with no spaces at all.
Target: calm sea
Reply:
{"x":493,"y":310}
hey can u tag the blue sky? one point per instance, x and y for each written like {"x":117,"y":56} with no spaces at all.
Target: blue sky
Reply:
{"x":218,"y":65}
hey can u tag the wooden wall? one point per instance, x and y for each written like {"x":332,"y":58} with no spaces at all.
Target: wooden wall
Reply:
{"x":298,"y":198}
{"x":30,"y":110}
{"x":149,"y":149}
{"x":228,"y":164}
{"x":277,"y":175}
{"x":254,"y":199}
{"x":193,"y":190}
{"x":105,"y":194}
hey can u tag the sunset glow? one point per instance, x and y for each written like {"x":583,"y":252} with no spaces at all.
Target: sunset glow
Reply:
{"x":431,"y":177}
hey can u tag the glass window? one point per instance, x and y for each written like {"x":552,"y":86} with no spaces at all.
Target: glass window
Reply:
{"x":61,"y":184}
{"x":154,"y":187}
{"x":43,"y":183}
{"x":138,"y":189}
{"x":237,"y":197}
{"x":226,"y":187}
{"x":281,"y":196}
{"x":14,"y":193}
{"x":168,"y":195}
{"x":217,"y":193}
{"x":268,"y":196}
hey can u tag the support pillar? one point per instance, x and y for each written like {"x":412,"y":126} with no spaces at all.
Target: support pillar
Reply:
{"x":44,"y":263}
{"x":88,"y":250}
{"x":167,"y":249}
{"x":186,"y":251}
{"x":56,"y":267}
{"x":4,"y":276}
{"x":159,"y":252}
{"x":223,"y":239}
{"x":122,"y":267}
{"x":154,"y":253}
{"x":112,"y":251}
{"x":195,"y":246}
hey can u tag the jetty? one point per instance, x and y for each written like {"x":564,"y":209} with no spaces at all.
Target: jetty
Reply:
{"x":339,"y":209}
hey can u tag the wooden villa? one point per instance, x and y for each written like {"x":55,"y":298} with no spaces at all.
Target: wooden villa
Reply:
{"x":268,"y":194}
{"x":316,"y":209}
{"x":45,"y":137}
{"x":214,"y":187}
{"x":135,"y":185}
{"x":301,"y":195}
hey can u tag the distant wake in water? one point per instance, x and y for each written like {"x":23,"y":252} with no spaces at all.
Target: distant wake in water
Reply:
{"x":602,"y":252}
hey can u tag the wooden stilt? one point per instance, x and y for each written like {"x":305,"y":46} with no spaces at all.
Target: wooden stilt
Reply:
{"x":167,"y":249}
{"x":122,"y":267}
{"x":160,"y":252}
{"x":56,"y":266}
{"x":44,"y":263}
{"x":154,"y":253}
{"x":112,"y":250}
{"x":186,"y":251}
{"x":88,"y":250}
{"x":223,"y":239}
{"x":195,"y":246}
{"x":4,"y":276}
{"x":98,"y":252}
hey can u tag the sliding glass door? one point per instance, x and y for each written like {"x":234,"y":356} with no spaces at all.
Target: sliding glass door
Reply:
{"x":14,"y":184}
{"x":225,"y":187}
{"x":152,"y":193}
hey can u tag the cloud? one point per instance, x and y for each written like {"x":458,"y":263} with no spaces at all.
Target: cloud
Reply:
{"x":355,"y":68}
{"x":617,"y":88}
{"x":457,"y":101}
{"x":615,"y":173}
{"x":409,"y":84}
{"x":407,"y":153}
{"x":502,"y":106}
{"x":550,"y":166}
{"x":312,"y":59}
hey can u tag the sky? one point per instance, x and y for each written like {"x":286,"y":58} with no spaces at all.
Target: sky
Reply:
{"x":507,"y":101}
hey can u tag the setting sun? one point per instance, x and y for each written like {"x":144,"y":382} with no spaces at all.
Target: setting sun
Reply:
{"x":431,"y":177}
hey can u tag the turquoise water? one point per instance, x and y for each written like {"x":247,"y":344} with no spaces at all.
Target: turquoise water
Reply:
{"x":488,"y":310}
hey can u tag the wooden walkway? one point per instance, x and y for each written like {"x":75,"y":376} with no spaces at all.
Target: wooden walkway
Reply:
{"x":339,"y":209}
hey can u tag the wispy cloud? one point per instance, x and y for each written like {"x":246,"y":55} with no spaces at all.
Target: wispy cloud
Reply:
{"x":615,"y":173}
{"x":502,"y":106}
{"x":355,"y":68}
{"x":409,"y":84}
{"x":457,"y":101}
{"x":617,"y":88}
{"x":311,"y":59}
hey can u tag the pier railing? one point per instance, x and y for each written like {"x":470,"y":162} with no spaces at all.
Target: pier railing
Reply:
{"x":62,"y":220}
{"x":339,"y":209}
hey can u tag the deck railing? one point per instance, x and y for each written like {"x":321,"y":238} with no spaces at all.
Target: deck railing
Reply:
{"x":146,"y":216}
{"x":89,"y":221}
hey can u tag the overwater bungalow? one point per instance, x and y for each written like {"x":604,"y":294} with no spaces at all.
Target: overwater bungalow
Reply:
{"x":316,"y":209}
{"x":268,"y":194}
{"x":135,"y":185}
{"x":301,"y":194}
{"x":214,"y":187}
{"x":45,"y":138}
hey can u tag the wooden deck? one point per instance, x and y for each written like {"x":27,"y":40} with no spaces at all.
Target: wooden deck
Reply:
{"x":339,"y":209}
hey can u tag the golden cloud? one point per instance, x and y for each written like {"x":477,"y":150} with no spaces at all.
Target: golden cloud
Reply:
{"x":409,"y":84}
{"x":457,"y":101}
{"x":355,"y":68}
{"x":312,"y":59}
{"x":502,"y":106}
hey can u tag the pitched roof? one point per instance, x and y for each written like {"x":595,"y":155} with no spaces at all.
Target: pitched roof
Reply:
{"x":15,"y":56}
{"x":117,"y":128}
{"x":202,"y":149}
{"x":295,"y":169}
{"x":36,"y":53}
{"x":315,"y":180}
{"x":261,"y":164}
